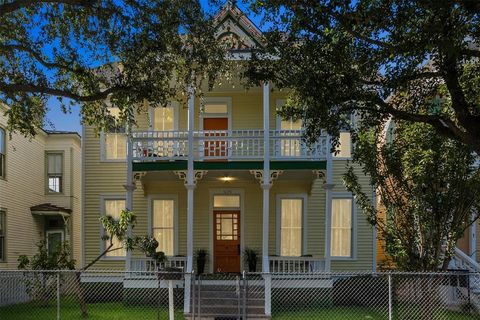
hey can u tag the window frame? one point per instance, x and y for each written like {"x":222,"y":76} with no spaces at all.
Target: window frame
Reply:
{"x":354,"y":227}
{"x":278,"y":228}
{"x":162,"y":196}
{"x":50,"y":231}
{"x":103,"y":145}
{"x":3,"y":156}
{"x":62,"y":178}
{"x":103,"y":199}
{"x":176,"y":115}
{"x":3,"y":218}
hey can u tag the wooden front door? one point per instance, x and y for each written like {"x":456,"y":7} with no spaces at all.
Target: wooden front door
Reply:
{"x":226,"y":225}
{"x":217,"y":147}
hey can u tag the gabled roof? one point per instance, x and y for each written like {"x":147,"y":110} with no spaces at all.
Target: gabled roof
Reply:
{"x":232,"y":22}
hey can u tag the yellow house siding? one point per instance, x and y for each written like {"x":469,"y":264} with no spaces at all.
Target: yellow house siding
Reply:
{"x":25,"y":186}
{"x":363,"y":238}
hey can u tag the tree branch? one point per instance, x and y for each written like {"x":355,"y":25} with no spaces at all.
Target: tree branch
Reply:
{"x":39,"y":89}
{"x":38,"y":56}
{"x":12,"y":6}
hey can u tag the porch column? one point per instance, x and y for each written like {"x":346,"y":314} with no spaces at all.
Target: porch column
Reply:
{"x":266,"y":175}
{"x":328,"y":186}
{"x":190,"y":185}
{"x":129,"y":187}
{"x":266,"y":196}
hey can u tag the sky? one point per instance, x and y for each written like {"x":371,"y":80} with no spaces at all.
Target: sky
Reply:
{"x":57,"y":120}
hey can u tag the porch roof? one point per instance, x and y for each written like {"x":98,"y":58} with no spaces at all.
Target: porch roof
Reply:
{"x":48,"y":209}
{"x":229,"y":165}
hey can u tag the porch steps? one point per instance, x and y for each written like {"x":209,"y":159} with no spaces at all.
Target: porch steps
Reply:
{"x":216,"y":301}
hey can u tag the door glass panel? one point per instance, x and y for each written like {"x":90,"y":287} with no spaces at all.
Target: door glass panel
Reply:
{"x":227,"y":226}
{"x":54,"y":241}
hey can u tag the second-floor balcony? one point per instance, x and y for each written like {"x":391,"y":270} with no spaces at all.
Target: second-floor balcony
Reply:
{"x":234,"y":145}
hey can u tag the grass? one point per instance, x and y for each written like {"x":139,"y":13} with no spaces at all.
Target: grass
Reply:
{"x":70,"y":310}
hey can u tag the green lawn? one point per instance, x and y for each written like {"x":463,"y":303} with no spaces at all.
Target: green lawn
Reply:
{"x":118,"y":311}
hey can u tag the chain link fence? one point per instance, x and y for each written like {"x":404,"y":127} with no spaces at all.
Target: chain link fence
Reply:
{"x":166,"y":295}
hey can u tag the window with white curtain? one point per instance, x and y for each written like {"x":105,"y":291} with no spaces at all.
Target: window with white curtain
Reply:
{"x":115,"y":140}
{"x":55,"y":172}
{"x":164,"y":118}
{"x":291,"y":212}
{"x":290,"y":147}
{"x":163,"y":229}
{"x":113,"y":208}
{"x":341,"y":239}
{"x":344,"y":149}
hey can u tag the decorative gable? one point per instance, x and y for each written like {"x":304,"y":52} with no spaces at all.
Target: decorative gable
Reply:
{"x":236,"y":30}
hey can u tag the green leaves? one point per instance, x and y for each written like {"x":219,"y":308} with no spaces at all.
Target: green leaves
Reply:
{"x":428,"y":187}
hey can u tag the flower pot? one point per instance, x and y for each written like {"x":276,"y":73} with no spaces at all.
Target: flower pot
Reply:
{"x":201,"y":265}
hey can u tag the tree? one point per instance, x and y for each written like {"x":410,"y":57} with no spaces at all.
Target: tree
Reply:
{"x":341,"y":57}
{"x":95,"y":52}
{"x":428,"y":186}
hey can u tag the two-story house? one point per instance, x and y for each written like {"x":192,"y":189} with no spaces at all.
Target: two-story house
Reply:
{"x":40,"y":194}
{"x":225,"y":174}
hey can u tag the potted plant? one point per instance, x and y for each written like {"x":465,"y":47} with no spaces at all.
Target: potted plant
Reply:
{"x":251,"y":258}
{"x":201,"y":256}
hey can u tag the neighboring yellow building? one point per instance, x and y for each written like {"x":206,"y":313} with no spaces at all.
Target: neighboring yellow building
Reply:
{"x":40,"y":194}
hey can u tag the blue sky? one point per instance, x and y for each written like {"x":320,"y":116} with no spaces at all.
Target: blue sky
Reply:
{"x":57,"y":120}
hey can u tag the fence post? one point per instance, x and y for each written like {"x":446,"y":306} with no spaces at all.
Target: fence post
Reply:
{"x":193,"y":294}
{"x":58,"y":295}
{"x":244,"y":296}
{"x":389,"y":296}
{"x":268,"y":293}
{"x":171,"y":306}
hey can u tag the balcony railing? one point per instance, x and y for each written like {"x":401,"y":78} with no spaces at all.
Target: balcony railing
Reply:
{"x":146,"y":266}
{"x":296,"y":264}
{"x":225,"y":145}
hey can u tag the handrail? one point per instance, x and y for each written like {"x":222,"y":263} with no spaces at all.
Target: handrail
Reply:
{"x":466,"y":261}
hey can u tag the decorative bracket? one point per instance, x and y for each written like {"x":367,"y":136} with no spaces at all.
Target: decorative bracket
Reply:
{"x":197,"y":175}
{"x":137,"y":176}
{"x":258,"y":175}
{"x":320,"y":174}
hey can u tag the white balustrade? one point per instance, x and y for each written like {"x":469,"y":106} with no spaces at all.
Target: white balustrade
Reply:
{"x":146,"y":266}
{"x":225,"y":144}
{"x":296,"y":264}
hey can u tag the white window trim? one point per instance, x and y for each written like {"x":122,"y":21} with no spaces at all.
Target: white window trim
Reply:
{"x":346,"y":195}
{"x":63,"y":180}
{"x":218,"y":100}
{"x":151,"y":115}
{"x":48,"y":232}
{"x":222,"y":192}
{"x":103,"y":198}
{"x":278,"y":218}
{"x":173,"y":197}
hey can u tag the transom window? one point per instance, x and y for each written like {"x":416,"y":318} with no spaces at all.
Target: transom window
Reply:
{"x":341,"y":238}
{"x":217,"y":108}
{"x":113,"y":208}
{"x":163,"y":228}
{"x":291,"y":216}
{"x":226,"y":201}
{"x":55,"y":172}
{"x":2,"y":153}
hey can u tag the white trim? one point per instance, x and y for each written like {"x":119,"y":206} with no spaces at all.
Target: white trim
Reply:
{"x":347,"y":195}
{"x":278,"y":218}
{"x":175,"y":105}
{"x":103,"y":198}
{"x":217,"y":100}
{"x":161,"y":196}
{"x":82,"y":204}
{"x":226,"y":191}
